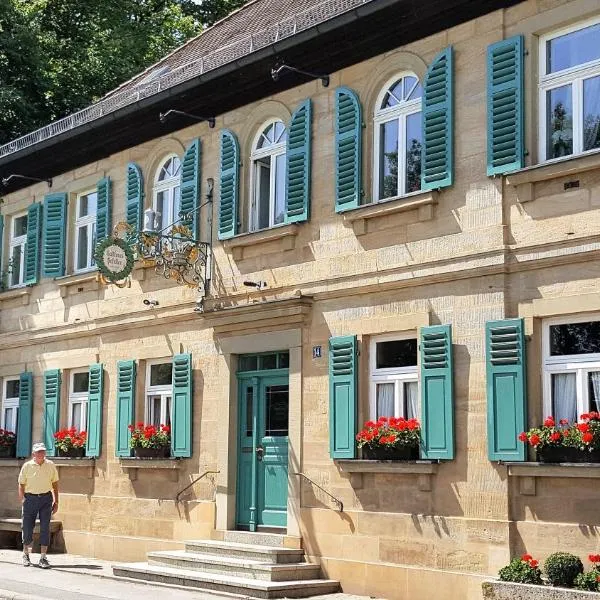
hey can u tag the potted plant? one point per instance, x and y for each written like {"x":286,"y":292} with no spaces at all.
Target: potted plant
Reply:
{"x":566,"y":442}
{"x":70,"y":443}
{"x":8,"y":444}
{"x":390,"y":438}
{"x":150,"y":441}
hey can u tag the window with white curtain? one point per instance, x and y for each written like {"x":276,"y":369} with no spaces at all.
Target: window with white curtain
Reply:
{"x":569,"y":90}
{"x":16,"y":253}
{"x":10,"y":404}
{"x":571,"y":367}
{"x":167,"y":193}
{"x":78,"y":399}
{"x":85,"y":231}
{"x":159,"y":392}
{"x":394,"y":378}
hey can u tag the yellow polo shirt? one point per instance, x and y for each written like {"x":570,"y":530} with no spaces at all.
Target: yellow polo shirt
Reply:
{"x":38,"y":479}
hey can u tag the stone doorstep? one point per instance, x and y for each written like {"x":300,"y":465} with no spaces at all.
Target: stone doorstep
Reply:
{"x":271,"y":554}
{"x":226,"y":583}
{"x":236,"y":567}
{"x":280,"y":540}
{"x":13,"y":524}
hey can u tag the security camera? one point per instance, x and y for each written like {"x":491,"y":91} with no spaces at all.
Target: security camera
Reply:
{"x":259,"y":285}
{"x":151,"y":303}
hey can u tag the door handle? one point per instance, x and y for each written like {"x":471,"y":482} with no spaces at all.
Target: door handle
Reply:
{"x":260,"y":452}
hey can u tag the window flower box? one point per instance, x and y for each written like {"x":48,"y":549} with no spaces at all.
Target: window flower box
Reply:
{"x":70,"y":443}
{"x":71,"y":452}
{"x":390,"y":438}
{"x":150,"y":441}
{"x":8,"y":444}
{"x":391,"y":453}
{"x":163,"y":452}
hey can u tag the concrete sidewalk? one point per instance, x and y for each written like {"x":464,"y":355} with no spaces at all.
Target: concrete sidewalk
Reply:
{"x":79,"y":578}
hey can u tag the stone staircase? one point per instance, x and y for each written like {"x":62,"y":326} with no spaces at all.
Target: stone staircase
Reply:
{"x":257,"y":565}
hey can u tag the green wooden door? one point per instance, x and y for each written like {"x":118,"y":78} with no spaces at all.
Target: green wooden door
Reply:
{"x":262,"y":488}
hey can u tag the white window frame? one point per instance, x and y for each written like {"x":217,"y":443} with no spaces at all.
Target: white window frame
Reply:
{"x":81,"y":398}
{"x":399,"y":375}
{"x":580,"y":364}
{"x":574,"y":76}
{"x":400,"y":112}
{"x":273,"y":151}
{"x":9,"y":403}
{"x":169,"y":186}
{"x":89,"y":222}
{"x":14,"y":242}
{"x":164,"y":391}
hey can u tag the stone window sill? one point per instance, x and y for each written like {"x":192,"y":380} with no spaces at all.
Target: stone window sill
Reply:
{"x":424,"y":469}
{"x":21,"y":292}
{"x":79,"y":279}
{"x":422,"y":202}
{"x":285,"y":234}
{"x":76,"y":463}
{"x":524,"y":179}
{"x":132,"y":465}
{"x":527,"y":472}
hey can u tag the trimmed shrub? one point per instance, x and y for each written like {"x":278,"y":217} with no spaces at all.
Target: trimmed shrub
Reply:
{"x":521,"y":571}
{"x":562,"y":568}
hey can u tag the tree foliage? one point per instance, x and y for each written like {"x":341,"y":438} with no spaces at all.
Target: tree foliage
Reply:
{"x":58,"y":56}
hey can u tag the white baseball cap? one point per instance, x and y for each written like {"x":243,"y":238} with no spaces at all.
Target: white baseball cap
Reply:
{"x":37,"y":447}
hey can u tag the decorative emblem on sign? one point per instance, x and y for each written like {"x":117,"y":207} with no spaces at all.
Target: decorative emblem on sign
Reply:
{"x":115,"y":259}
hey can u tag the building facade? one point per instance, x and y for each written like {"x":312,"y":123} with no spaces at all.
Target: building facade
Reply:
{"x":415,"y":239}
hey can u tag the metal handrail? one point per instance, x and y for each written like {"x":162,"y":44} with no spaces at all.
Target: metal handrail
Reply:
{"x":187,"y":487}
{"x":338,"y":502}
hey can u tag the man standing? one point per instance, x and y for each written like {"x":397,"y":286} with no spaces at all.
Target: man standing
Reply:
{"x":38,"y":492}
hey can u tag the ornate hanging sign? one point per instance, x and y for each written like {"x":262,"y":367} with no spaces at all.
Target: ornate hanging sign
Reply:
{"x":115,"y":259}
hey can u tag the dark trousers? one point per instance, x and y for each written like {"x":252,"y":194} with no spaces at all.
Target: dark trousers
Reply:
{"x":32,"y":506}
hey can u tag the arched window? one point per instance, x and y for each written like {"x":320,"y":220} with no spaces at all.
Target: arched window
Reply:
{"x":166,"y":192}
{"x":398,"y":137}
{"x":268,"y":177}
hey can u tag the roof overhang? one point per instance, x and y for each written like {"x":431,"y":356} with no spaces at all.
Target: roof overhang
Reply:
{"x":347,"y":39}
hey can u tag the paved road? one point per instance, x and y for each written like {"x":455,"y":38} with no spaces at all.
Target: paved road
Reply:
{"x":79,"y":578}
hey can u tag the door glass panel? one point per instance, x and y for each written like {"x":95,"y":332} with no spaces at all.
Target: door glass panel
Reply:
{"x":154,"y":404}
{"x":249,"y":408}
{"x":268,"y":361}
{"x":248,"y":363}
{"x":277,"y":407}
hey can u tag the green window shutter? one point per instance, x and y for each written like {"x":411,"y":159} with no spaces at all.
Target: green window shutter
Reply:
{"x":297,"y":192}
{"x":505,"y":144}
{"x":134,"y":201}
{"x":343,"y":392}
{"x":32,"y":246}
{"x":437,"y":397}
{"x":104,"y":209}
{"x":190,"y":185}
{"x":2,"y":266}
{"x":125,"y":405}
{"x":94,"y":411}
{"x":229,"y":184}
{"x":52,"y":381}
{"x":348,"y":150}
{"x":181,"y":422}
{"x":437,"y":152}
{"x":506,"y":388}
{"x":24,"y":415}
{"x":54,"y":232}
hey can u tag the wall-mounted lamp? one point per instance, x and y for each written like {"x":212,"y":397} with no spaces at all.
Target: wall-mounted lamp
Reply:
{"x":6,"y":180}
{"x":164,"y":117}
{"x":279,"y":67}
{"x":259,"y":285}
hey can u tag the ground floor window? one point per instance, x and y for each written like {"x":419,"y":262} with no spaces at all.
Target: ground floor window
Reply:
{"x":393,"y":377}
{"x":159,"y":393}
{"x":10,"y":404}
{"x":78,"y":399}
{"x":571,"y":367}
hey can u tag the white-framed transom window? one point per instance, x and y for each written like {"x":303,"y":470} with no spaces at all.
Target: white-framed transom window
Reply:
{"x":267,"y":181}
{"x":10,"y":404}
{"x":167,"y":193}
{"x":571,"y":349}
{"x":569,"y":91}
{"x":159,"y":392}
{"x":393,"y":377}
{"x":398,"y":138}
{"x":78,"y":398}
{"x":85,"y":230}
{"x":15,"y":268}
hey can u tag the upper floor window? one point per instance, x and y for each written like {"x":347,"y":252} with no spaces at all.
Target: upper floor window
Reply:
{"x":398,"y":138}
{"x":166,"y":193}
{"x":10,"y":404}
{"x":78,"y":399}
{"x":268,"y":160}
{"x":85,"y":230}
{"x":570,"y":91}
{"x":159,"y":392}
{"x":16,"y":253}
{"x":394,"y":377}
{"x":571,"y":367}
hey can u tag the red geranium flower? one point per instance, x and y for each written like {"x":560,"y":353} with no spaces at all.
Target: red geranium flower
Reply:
{"x":549,"y":422}
{"x":587,"y":438}
{"x":533,"y":563}
{"x":594,"y":558}
{"x":583,"y":427}
{"x":534,"y":440}
{"x":555,"y":436}
{"x":523,"y":437}
{"x":526,"y":557}
{"x":564,"y":421}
